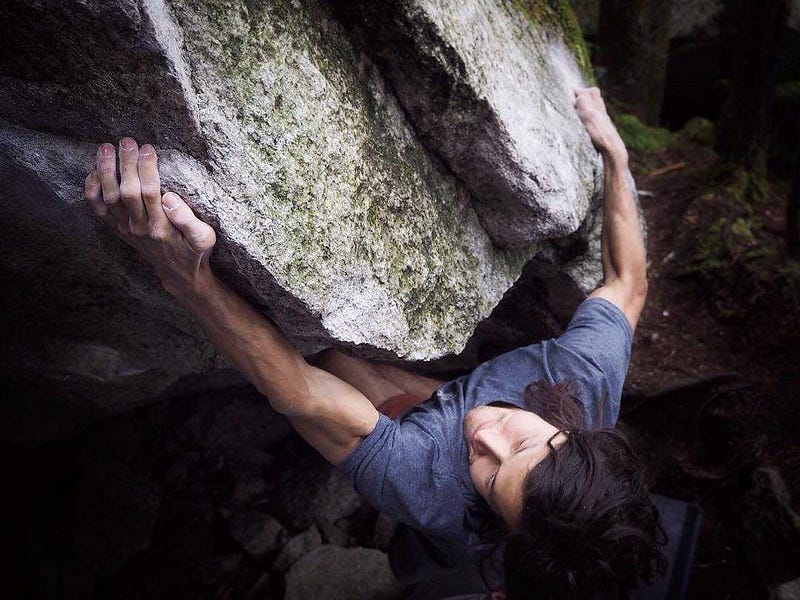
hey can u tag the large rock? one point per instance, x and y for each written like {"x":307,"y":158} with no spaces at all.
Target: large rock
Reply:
{"x":334,"y":213}
{"x":489,"y":86}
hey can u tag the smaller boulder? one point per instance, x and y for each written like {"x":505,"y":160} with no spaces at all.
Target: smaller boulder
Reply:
{"x":331,"y":572}
{"x":255,"y":531}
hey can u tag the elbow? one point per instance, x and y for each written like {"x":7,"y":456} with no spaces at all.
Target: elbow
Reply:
{"x":635,"y":286}
{"x":640,"y":287}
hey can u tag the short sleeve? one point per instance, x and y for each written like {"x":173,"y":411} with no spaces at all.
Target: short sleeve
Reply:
{"x":401,"y":470}
{"x":594,"y":352}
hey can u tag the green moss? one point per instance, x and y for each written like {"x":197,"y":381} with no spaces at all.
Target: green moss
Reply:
{"x":700,"y":131}
{"x":736,"y":259}
{"x":640,"y":137}
{"x":293,"y":82}
{"x":788,"y":92}
{"x":557,"y":15}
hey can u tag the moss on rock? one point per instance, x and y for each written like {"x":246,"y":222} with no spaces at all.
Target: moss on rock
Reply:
{"x":700,"y":131}
{"x":640,"y":137}
{"x":558,"y":16}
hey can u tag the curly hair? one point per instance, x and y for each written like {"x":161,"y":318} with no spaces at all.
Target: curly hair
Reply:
{"x":588,"y":526}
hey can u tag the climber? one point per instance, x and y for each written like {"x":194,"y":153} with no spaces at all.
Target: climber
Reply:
{"x":518,"y":458}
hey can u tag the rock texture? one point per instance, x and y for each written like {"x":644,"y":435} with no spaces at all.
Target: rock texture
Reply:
{"x":148,"y":505}
{"x":331,"y":572}
{"x":352,"y":211}
{"x":492,"y":95}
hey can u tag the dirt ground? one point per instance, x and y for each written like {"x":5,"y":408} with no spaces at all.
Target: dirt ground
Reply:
{"x":740,"y":376}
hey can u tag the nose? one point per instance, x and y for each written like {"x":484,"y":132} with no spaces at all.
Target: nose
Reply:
{"x":490,"y":440}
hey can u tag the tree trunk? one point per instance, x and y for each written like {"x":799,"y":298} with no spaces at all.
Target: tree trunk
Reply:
{"x":633,"y":40}
{"x":744,"y":124}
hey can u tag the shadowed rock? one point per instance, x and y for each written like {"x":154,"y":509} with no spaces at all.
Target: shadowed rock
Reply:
{"x":332,"y":215}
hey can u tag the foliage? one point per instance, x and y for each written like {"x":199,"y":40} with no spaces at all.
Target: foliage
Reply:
{"x":639,"y":137}
{"x":700,"y":131}
{"x":788,"y":92}
{"x":727,"y":246}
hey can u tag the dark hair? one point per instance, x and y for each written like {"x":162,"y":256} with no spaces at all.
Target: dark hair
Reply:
{"x":588,"y":525}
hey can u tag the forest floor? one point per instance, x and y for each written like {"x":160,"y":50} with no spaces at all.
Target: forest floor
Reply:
{"x":725,"y":351}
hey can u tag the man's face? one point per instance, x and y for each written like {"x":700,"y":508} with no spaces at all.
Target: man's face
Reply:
{"x":505,"y":443}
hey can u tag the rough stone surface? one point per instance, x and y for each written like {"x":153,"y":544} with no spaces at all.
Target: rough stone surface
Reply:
{"x":297,"y":547}
{"x":489,"y":86}
{"x":255,"y":531}
{"x":335,"y":214}
{"x":309,"y":491}
{"x":691,"y":16}
{"x":331,"y":572}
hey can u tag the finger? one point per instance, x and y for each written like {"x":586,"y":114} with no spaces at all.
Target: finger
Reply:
{"x":129,"y":188}
{"x":107,"y":171}
{"x":93,"y":193}
{"x":201,"y":236}
{"x":151,"y":187}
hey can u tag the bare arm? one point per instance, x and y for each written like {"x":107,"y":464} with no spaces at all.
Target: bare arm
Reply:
{"x":330,"y":414}
{"x":623,"y":253}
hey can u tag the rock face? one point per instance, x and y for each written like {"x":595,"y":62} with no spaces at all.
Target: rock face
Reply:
{"x":485,"y":90}
{"x":331,"y":572}
{"x":353,"y":216}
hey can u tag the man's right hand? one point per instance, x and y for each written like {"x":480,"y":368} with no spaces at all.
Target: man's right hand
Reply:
{"x":592,"y":112}
{"x":162,"y":229}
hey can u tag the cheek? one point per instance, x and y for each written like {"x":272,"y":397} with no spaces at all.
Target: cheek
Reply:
{"x":477,"y":473}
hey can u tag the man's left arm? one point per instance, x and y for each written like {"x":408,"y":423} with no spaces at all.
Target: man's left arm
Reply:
{"x":623,"y":253}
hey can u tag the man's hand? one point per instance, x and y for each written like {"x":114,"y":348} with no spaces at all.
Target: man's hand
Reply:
{"x":592,"y":112}
{"x":163,"y":229}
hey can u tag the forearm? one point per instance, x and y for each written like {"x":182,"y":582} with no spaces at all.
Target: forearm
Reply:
{"x":248,"y":339}
{"x":623,"y":253}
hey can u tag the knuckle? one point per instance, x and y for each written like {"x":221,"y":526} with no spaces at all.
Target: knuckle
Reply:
{"x":111,"y":197}
{"x":205,"y":241}
{"x":158,"y":234}
{"x":129,"y":189}
{"x":151,"y":190}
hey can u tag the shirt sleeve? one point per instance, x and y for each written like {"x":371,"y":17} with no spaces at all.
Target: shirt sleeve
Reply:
{"x":399,"y":470}
{"x":594,"y":352}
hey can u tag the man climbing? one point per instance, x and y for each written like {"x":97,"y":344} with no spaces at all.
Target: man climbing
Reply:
{"x":525,"y":442}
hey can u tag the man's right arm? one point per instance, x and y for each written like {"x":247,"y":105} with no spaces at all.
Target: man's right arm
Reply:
{"x":623,"y":253}
{"x":330,"y":414}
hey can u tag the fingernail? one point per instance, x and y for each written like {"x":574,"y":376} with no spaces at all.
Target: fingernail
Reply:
{"x":170,"y":201}
{"x":127,"y":144}
{"x":146,"y":150}
{"x":92,"y":179}
{"x":107,"y":149}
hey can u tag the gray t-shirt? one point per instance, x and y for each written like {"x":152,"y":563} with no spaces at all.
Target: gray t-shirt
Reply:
{"x":415,"y":468}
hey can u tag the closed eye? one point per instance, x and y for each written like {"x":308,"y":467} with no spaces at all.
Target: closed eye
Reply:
{"x":520,"y":445}
{"x":491,"y":480}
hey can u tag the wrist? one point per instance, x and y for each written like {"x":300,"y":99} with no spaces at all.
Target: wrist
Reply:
{"x":193,"y":288}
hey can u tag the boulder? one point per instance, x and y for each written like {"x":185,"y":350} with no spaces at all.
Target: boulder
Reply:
{"x":331,"y":572}
{"x":255,"y":531}
{"x":310,"y":491}
{"x":297,"y":547}
{"x":352,"y":211}
{"x":489,"y":87}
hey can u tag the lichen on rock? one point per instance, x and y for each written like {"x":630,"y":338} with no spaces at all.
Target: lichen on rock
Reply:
{"x":337,"y":211}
